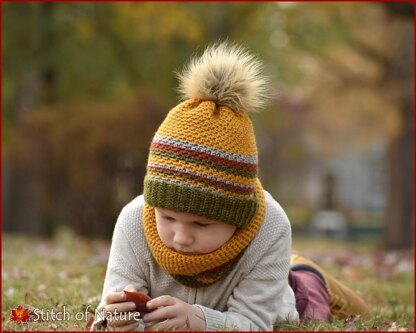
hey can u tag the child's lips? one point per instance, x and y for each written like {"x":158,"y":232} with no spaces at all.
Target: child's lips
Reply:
{"x":186,"y":252}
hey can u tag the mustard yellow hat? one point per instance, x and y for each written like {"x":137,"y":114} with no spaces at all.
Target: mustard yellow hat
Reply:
{"x":203,"y":158}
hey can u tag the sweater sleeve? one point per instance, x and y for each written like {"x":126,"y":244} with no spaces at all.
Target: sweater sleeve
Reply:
{"x":123,"y":265}
{"x":263,"y":297}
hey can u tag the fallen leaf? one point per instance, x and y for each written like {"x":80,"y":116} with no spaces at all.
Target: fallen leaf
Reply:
{"x":89,"y":321}
{"x":53,"y":327}
{"x":343,"y":259}
{"x":10,"y":291}
{"x":352,"y":274}
{"x":94,"y":299}
{"x":42,"y":287}
{"x":139,"y":299}
{"x":396,"y":328}
{"x":19,"y":273}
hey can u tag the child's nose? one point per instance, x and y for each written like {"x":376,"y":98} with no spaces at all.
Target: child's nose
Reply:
{"x":182,"y":237}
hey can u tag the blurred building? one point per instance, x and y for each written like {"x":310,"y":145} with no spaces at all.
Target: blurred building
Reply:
{"x":359,"y":189}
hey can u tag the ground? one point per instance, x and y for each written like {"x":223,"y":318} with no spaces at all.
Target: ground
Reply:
{"x":64,"y":277}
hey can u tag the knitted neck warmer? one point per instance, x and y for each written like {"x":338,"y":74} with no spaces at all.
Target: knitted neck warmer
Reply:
{"x":202,"y":269}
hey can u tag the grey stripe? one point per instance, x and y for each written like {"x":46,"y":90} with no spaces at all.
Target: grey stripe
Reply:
{"x":174,"y":168}
{"x":215,"y":152}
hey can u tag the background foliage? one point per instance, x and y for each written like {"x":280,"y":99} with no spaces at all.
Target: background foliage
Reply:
{"x":85,"y":85}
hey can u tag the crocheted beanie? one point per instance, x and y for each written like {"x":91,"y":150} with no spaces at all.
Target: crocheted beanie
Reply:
{"x":203,"y":158}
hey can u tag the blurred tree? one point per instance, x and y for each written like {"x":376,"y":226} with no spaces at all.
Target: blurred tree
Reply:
{"x":74,"y":52}
{"x":399,"y":224}
{"x":34,"y":83}
{"x":90,"y":159}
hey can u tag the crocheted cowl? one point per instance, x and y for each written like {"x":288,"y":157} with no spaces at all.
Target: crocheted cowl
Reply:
{"x":202,"y":269}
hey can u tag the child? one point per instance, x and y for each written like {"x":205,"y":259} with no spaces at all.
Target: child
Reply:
{"x":205,"y":241}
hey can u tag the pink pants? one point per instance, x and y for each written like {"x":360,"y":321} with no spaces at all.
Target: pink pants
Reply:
{"x":312,"y":297}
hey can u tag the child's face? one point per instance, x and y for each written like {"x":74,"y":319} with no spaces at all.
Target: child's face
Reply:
{"x":191,"y":234}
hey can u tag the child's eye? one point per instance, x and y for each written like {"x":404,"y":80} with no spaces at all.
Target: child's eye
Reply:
{"x":168,"y":218}
{"x":199,"y":224}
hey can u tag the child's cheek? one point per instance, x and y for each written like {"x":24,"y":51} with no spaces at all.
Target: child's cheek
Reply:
{"x":164,"y":233}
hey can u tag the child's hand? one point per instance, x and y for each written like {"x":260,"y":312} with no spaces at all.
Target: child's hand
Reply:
{"x":174,"y":314}
{"x":117,"y":307}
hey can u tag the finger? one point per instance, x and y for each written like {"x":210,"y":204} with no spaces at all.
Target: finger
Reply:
{"x":158,"y":327}
{"x":115,"y":322}
{"x":157,"y":302}
{"x":166,"y":325}
{"x":123,"y":319}
{"x":115,"y":297}
{"x":117,"y":308}
{"x":160,"y":314}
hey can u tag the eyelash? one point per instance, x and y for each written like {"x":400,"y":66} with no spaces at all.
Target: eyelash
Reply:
{"x":202,"y":225}
{"x":171,"y":219}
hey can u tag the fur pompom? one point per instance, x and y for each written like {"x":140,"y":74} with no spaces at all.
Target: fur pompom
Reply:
{"x":227,"y":75}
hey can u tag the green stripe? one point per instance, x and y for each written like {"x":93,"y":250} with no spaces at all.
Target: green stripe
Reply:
{"x":215,"y":166}
{"x":181,"y":198}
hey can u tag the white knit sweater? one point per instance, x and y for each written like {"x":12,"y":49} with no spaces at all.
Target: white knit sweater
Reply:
{"x":253,"y":296}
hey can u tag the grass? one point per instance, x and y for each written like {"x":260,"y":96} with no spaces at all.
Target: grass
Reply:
{"x":66,"y":273}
